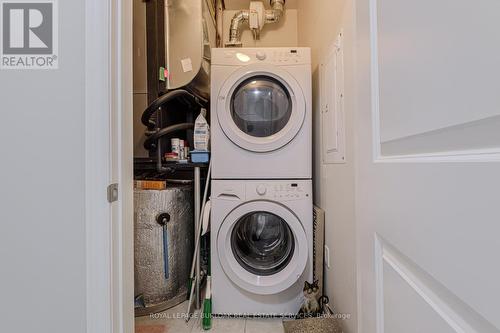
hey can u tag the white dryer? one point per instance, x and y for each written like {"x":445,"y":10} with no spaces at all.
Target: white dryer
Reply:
{"x":261,"y":246}
{"x":261,"y":113}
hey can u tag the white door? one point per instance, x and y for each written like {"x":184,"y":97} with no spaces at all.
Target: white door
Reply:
{"x":428,"y":176}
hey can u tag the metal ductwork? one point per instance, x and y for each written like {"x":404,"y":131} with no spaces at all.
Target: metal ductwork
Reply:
{"x":256,"y":17}
{"x":235,"y":30}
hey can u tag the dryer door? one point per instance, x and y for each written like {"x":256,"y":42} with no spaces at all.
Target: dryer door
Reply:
{"x":261,"y":108}
{"x":262,"y":247}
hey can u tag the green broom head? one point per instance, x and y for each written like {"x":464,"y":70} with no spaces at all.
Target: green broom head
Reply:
{"x":207,"y":306}
{"x":207,"y":314}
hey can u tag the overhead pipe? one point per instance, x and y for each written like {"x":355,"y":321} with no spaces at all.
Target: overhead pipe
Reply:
{"x":274,"y":15}
{"x":271,"y":16}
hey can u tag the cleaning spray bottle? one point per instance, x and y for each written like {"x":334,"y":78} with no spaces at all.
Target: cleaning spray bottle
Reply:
{"x":201,"y":138}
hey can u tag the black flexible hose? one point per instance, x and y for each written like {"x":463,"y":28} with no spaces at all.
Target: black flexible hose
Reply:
{"x":160,"y":101}
{"x":151,"y":142}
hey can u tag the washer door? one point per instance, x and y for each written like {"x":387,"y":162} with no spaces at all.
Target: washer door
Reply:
{"x":262,"y":247}
{"x":261,"y":108}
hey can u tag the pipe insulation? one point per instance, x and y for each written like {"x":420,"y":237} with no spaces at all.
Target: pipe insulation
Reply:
{"x":159,"y":284}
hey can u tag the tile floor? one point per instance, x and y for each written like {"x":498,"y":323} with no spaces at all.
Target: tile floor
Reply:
{"x":170,"y":322}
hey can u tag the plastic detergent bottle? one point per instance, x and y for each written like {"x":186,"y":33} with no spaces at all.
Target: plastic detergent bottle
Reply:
{"x":201,"y":132}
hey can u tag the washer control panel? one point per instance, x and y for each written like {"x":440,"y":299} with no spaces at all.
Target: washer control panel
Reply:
{"x":274,"y":56}
{"x":285,"y":56}
{"x":279,"y":191}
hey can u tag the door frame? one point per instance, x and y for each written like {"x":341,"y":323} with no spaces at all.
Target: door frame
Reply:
{"x":109,"y":159}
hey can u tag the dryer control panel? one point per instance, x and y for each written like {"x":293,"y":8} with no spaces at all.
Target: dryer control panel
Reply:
{"x":278,"y":191}
{"x":274,"y":56}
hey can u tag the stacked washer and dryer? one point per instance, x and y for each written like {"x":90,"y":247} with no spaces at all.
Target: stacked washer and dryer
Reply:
{"x":261,"y":223}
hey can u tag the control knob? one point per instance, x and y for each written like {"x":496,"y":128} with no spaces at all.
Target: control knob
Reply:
{"x":261,"y":189}
{"x":261,"y":55}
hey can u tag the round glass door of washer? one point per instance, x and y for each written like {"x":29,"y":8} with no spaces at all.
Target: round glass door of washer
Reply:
{"x":262,"y":247}
{"x":262,"y":243}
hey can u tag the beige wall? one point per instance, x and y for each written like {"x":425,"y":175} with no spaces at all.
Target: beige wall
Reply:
{"x":239,"y":4}
{"x":140,"y":76}
{"x":319,"y":22}
{"x":281,"y":34}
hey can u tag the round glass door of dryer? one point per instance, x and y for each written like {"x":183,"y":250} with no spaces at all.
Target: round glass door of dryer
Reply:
{"x":262,"y":243}
{"x":261,"y":106}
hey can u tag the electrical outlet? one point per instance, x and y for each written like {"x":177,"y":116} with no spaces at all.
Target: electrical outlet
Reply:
{"x":327,"y":257}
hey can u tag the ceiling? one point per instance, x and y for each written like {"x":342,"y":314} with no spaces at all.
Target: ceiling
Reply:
{"x":243,"y":4}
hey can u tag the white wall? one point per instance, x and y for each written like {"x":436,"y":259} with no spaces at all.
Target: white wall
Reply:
{"x":319,"y":23}
{"x":42,"y":231}
{"x":281,"y":34}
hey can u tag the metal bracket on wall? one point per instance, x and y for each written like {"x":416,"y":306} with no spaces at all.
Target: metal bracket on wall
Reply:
{"x":112,"y":193}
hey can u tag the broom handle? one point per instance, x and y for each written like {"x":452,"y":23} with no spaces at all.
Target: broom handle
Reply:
{"x":199,"y":225}
{"x":196,"y":281}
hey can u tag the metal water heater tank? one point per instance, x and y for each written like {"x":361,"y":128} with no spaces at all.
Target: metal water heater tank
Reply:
{"x":164,"y":238}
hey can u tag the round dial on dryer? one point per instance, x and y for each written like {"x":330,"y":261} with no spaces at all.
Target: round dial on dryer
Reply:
{"x":261,"y":189}
{"x":261,"y":55}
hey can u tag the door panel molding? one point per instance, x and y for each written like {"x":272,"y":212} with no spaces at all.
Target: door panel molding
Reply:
{"x":426,"y":146}
{"x":454,"y":312}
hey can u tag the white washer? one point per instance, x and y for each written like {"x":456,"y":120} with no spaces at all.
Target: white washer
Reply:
{"x":261,"y":113}
{"x":261,"y":246}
